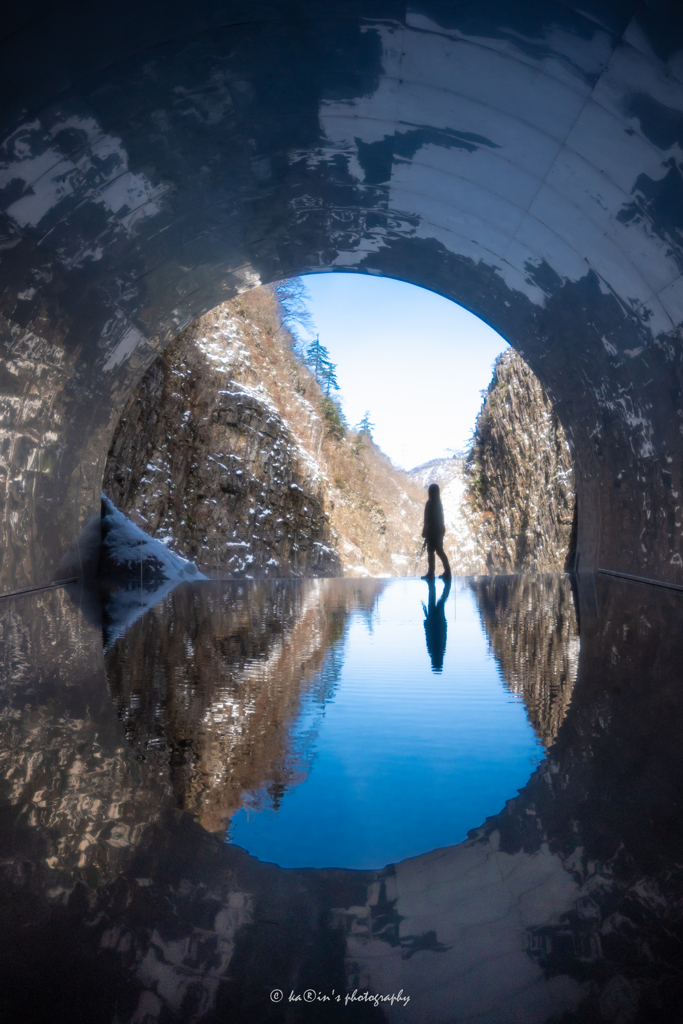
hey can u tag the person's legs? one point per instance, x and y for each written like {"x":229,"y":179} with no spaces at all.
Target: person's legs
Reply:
{"x":442,"y":555}
{"x":431,"y":561}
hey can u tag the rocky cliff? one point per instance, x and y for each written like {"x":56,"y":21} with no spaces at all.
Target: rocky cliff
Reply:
{"x":509,"y":504}
{"x":228,"y":452}
{"x":520,"y":475}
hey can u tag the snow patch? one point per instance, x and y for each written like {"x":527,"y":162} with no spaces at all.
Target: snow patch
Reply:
{"x":129,"y":551}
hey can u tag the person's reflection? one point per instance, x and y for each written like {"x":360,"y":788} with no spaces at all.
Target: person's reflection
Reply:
{"x":435,"y":624}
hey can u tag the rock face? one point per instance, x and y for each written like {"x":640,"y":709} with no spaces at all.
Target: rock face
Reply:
{"x":521,"y":477}
{"x":224,"y":453}
{"x":204,"y":459}
{"x":509,"y":506}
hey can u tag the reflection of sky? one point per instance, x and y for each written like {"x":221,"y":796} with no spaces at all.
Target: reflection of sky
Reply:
{"x":406,"y":760}
{"x":400,"y":349}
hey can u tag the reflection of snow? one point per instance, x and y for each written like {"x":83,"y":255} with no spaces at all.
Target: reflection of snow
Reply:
{"x":128,"y":343}
{"x":124,"y":605}
{"x":129,"y":551}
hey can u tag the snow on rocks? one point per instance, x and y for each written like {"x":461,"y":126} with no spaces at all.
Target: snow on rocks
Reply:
{"x":129,"y":552}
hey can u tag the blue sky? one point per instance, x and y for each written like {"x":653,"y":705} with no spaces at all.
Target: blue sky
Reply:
{"x":417,"y":361}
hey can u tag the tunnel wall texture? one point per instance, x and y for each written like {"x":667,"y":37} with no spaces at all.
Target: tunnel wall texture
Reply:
{"x":524,"y":160}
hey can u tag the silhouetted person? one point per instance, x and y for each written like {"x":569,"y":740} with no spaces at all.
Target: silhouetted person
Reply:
{"x":435,"y":624}
{"x":433,"y":531}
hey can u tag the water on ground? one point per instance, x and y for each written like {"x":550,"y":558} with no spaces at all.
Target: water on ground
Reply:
{"x":342,"y":722}
{"x":347,"y":723}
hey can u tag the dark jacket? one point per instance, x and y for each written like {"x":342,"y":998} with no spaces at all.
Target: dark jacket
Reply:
{"x":434,"y":528}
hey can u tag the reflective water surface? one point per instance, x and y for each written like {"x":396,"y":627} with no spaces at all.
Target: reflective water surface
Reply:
{"x":122,"y":901}
{"x":345,"y":723}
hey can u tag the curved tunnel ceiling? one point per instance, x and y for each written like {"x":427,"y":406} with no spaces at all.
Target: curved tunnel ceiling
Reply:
{"x":523,"y":160}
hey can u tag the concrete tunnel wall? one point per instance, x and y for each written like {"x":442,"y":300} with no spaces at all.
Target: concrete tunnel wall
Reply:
{"x":524,"y":160}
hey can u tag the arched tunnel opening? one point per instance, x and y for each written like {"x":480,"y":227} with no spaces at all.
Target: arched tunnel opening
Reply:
{"x":534,"y":184}
{"x":232,"y":452}
{"x":250,"y":448}
{"x":523,"y":161}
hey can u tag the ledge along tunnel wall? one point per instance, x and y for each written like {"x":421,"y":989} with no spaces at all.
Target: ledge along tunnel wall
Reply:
{"x":523,"y":160}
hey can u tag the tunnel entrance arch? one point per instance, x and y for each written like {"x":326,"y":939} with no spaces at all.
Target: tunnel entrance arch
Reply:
{"x":524,"y":163}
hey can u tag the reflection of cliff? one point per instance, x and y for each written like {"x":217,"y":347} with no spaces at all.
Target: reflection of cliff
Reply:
{"x":566,"y":906}
{"x":533,"y":634}
{"x":212,"y":684}
{"x":84,"y":824}
{"x":608,"y":800}
{"x":64,"y":760}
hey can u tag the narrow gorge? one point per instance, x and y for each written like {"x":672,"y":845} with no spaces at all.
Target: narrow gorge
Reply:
{"x":231,"y":454}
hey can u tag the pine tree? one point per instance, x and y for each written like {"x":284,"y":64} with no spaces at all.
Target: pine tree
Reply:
{"x":317,"y":359}
{"x":365,"y":426}
{"x":329,"y":378}
{"x":334,"y":416}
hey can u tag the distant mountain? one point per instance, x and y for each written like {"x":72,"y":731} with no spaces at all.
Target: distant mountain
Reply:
{"x":438,"y":471}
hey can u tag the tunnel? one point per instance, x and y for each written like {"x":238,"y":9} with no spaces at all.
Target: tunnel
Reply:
{"x":523,"y":160}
